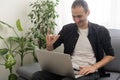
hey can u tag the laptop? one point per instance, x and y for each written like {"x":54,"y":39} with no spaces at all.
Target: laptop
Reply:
{"x":55,"y":62}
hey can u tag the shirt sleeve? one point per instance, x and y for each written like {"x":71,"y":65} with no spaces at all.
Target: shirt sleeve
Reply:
{"x":105,"y":40}
{"x":60,"y":40}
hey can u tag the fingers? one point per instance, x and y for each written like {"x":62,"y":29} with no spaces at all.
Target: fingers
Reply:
{"x":84,"y":72}
{"x":56,"y":37}
{"x":48,"y":36}
{"x":51,"y":39}
{"x":48,"y":31}
{"x":87,"y":70}
{"x":81,"y":67}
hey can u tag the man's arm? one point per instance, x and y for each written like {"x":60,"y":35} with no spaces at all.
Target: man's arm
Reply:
{"x":105,"y":41}
{"x":91,"y":69}
{"x":103,"y":62}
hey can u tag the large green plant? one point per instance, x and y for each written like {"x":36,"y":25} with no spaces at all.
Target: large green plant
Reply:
{"x":43,"y":15}
{"x":23,"y":47}
{"x":8,"y":55}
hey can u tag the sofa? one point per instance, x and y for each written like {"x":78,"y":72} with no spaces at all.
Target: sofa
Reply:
{"x":26,"y":72}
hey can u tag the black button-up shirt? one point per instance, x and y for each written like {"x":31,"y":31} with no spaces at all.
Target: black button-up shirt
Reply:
{"x":97,"y":35}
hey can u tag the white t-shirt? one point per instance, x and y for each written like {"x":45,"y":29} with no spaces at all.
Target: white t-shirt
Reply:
{"x":83,"y":53}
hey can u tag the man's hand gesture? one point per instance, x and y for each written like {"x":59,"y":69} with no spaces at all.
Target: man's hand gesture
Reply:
{"x":51,"y":39}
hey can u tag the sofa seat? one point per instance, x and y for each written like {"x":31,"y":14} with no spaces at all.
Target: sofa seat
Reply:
{"x":113,"y":76}
{"x":25,"y":73}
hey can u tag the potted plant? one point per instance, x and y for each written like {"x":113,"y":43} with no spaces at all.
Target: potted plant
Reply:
{"x":23,"y":47}
{"x":42,"y":16}
{"x":9,"y":58}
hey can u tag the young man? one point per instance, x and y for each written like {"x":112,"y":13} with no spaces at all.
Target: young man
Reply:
{"x":86,"y":42}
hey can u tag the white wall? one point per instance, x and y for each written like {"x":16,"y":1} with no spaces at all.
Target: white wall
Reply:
{"x":103,"y":12}
{"x":10,"y":11}
{"x":64,"y":11}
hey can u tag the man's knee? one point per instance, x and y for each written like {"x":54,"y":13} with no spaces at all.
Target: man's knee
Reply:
{"x":37,"y":75}
{"x":67,"y":78}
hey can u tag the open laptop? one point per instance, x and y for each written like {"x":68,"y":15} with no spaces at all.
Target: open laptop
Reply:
{"x":55,"y":62}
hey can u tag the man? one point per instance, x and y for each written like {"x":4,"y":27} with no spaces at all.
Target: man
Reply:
{"x":86,"y":42}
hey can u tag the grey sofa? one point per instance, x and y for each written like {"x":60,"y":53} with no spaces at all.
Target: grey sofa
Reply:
{"x":25,"y":72}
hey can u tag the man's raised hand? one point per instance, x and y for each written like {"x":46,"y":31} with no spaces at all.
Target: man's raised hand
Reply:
{"x":51,"y":39}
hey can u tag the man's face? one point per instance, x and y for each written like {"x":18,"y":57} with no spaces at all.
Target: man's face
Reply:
{"x":79,"y":16}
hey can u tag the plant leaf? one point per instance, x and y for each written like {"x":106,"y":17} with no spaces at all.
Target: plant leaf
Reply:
{"x":19,"y":26}
{"x":16,"y":39}
{"x":3,"y":51}
{"x":12,"y":77}
{"x":1,"y":37}
{"x":6,"y":24}
{"x":10,"y":61}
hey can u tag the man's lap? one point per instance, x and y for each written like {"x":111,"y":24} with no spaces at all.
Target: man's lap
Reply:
{"x":44,"y":75}
{"x":92,"y":76}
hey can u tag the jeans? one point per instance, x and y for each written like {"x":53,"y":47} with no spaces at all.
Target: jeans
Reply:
{"x":44,"y":75}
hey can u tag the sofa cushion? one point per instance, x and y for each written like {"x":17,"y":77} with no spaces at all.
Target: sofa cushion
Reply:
{"x":21,"y":78}
{"x":27,"y":71}
{"x":115,"y":33}
{"x":114,"y":76}
{"x":115,"y":40}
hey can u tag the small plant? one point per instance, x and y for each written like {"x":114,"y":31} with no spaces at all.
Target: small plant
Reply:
{"x":23,"y":47}
{"x":9,"y":58}
{"x":43,"y":17}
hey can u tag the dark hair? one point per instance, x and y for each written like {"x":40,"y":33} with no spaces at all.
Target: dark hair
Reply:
{"x":82,"y":3}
